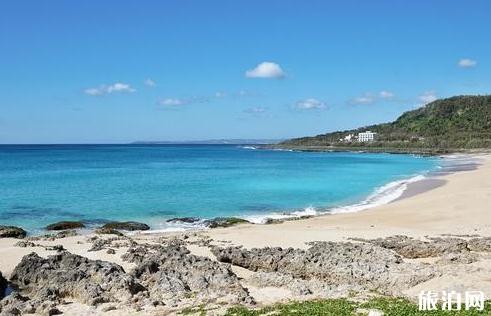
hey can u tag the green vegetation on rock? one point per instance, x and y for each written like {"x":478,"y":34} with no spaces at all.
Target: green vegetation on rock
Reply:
{"x":452,"y":124}
{"x":224,"y":222}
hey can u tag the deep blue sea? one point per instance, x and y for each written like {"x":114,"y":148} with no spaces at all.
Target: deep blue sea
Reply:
{"x":151,"y":183}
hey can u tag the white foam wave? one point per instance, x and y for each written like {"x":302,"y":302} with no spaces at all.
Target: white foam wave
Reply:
{"x":383,"y":195}
{"x":261,"y":219}
{"x":170,"y":227}
{"x":282,"y":149}
{"x":249,"y":147}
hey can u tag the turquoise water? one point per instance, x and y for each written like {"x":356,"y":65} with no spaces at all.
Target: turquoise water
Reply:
{"x":151,"y":183}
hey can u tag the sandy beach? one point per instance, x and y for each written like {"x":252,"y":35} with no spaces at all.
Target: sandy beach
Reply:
{"x":457,"y":205}
{"x":450,"y":205}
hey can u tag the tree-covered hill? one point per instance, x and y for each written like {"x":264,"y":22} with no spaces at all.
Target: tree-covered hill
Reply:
{"x":456,"y":123}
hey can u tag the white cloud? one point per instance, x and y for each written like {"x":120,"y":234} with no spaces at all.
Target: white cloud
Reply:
{"x":266,"y":70}
{"x":94,"y":91}
{"x":310,"y":104}
{"x":176,"y":102}
{"x":117,"y":87}
{"x":427,"y":97}
{"x":170,"y":102}
{"x":367,"y":98}
{"x":120,"y":87}
{"x":467,"y":63}
{"x":149,"y":83}
{"x":386,"y":94}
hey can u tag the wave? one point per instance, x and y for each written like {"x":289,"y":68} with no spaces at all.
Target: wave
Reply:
{"x":177,"y":226}
{"x":383,"y":195}
{"x":248,"y":147}
{"x":262,"y":218}
{"x":380,"y":196}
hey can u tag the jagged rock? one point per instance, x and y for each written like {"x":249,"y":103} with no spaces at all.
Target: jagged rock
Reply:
{"x":172,"y":274}
{"x":464,"y":257}
{"x":224,"y":222}
{"x":53,"y":311}
{"x":188,"y":220}
{"x":64,"y":225}
{"x":55,"y":248}
{"x":138,"y":254}
{"x":270,"y":221}
{"x":114,"y":242}
{"x":296,"y":286}
{"x":414,"y":248}
{"x":108,"y":231}
{"x":130,"y":226}
{"x":24,"y":244}
{"x":12,"y":232}
{"x":65,"y":233}
{"x":362,"y":266}
{"x":99,"y":244}
{"x":68,"y":275}
{"x":15,"y":304}
{"x":111,"y":251}
{"x":480,"y":244}
{"x":135,"y":254}
{"x":57,"y":235}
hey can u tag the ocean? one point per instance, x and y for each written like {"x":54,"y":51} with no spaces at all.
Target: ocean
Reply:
{"x":42,"y":184}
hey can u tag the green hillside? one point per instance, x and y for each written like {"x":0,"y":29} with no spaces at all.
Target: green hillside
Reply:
{"x":456,"y":123}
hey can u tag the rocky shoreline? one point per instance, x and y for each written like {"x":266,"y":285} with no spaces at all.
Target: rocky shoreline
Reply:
{"x":166,"y":275}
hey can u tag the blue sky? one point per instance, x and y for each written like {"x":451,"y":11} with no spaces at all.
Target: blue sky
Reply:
{"x":120,"y":71}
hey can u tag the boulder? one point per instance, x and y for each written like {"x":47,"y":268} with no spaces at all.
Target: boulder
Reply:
{"x":99,"y":243}
{"x":414,"y":248}
{"x":108,"y":231}
{"x":130,"y":226}
{"x":12,"y":232}
{"x":68,"y":275}
{"x":352,"y":266}
{"x":15,"y":304}
{"x":224,"y":222}
{"x":480,"y":244}
{"x":171,"y":274}
{"x":188,"y":220}
{"x":64,"y":225}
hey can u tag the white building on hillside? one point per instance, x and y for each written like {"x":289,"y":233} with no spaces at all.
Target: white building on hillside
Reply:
{"x":366,"y":136}
{"x":347,"y":138}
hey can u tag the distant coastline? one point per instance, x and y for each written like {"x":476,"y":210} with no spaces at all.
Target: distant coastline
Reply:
{"x":211,"y":142}
{"x":388,"y":150}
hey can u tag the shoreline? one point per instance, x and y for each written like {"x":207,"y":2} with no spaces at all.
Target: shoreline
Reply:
{"x":380,"y":150}
{"x":451,"y":212}
{"x":406,"y":187}
{"x":380,"y":195}
{"x":447,"y":194}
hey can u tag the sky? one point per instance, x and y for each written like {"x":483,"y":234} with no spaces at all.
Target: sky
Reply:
{"x":122,"y":71}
